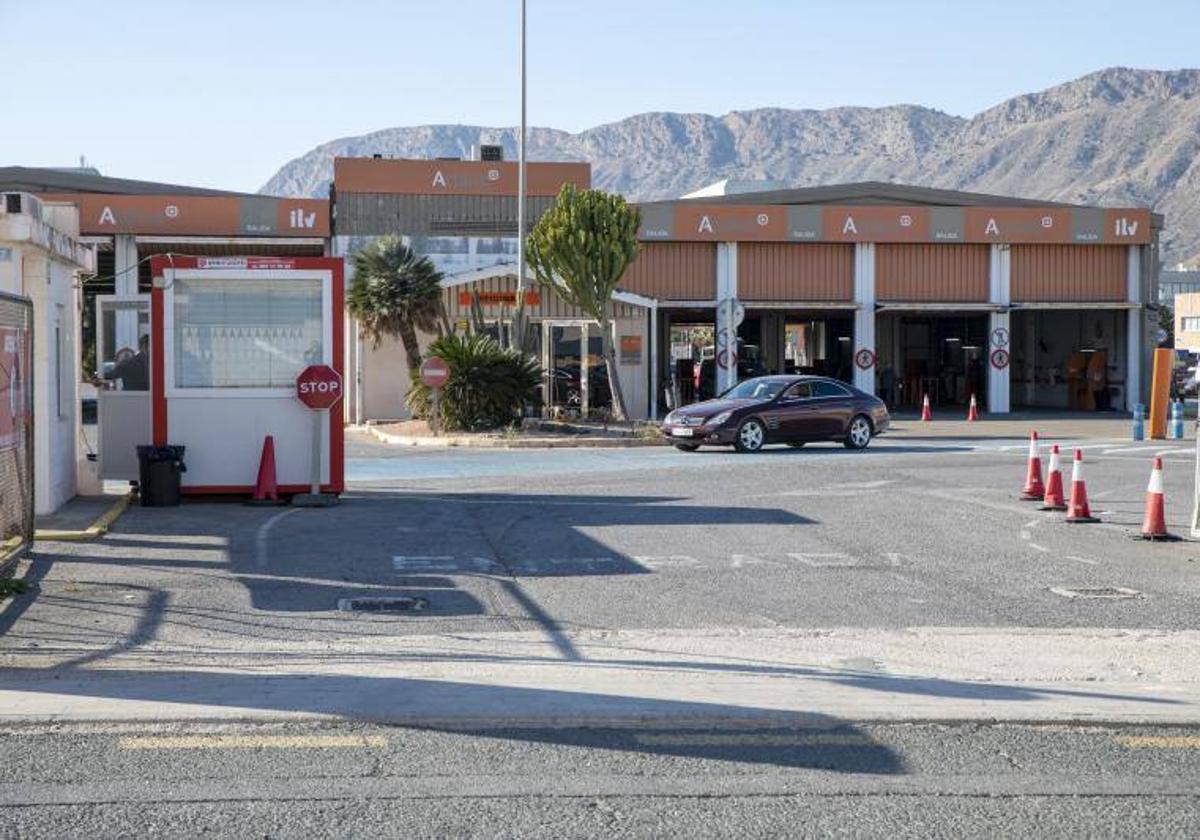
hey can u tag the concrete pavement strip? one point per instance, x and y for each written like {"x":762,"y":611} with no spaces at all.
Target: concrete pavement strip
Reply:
{"x":799,"y":677}
{"x":98,"y":528}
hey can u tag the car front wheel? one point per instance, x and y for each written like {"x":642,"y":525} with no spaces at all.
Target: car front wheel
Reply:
{"x":859,"y":433}
{"x":751,"y":436}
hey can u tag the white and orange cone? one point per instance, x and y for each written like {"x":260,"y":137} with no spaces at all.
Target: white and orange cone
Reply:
{"x":1053,"y":499}
{"x":1034,"y":490}
{"x":926,"y":414}
{"x":1154,"y":525}
{"x":1077,"y":508}
{"x":973,"y":411}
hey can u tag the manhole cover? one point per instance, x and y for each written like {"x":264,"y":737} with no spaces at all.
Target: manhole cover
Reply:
{"x":1109,"y":593}
{"x":382,"y":604}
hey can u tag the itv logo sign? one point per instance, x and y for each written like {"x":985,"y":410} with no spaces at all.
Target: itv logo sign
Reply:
{"x":299,"y":219}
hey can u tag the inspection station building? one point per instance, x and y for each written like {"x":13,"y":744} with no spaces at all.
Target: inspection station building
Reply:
{"x":904,"y":291}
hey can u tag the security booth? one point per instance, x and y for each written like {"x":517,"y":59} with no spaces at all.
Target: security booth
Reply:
{"x":229,"y":337}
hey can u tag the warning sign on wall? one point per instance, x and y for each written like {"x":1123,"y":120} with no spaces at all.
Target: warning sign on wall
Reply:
{"x":14,"y":385}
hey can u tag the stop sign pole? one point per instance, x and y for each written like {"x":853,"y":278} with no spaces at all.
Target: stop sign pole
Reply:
{"x":320,"y":388}
{"x":434,"y":374}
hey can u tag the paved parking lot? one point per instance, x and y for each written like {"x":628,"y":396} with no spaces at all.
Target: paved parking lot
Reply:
{"x":799,"y":596}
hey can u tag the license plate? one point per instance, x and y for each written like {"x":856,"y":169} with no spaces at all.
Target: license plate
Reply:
{"x":684,"y":432}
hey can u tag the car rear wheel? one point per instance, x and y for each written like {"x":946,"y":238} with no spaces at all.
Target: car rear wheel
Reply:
{"x":859,"y":433}
{"x":751,"y":436}
{"x":687,"y":447}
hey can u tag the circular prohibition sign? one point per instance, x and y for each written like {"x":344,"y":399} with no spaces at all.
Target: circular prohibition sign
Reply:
{"x":865,"y":358}
{"x":726,"y":360}
{"x":999,"y":359}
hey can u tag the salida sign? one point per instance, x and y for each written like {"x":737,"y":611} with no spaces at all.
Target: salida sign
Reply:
{"x":319,"y":387}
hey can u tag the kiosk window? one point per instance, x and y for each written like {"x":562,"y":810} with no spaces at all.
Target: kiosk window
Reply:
{"x":246,"y":333}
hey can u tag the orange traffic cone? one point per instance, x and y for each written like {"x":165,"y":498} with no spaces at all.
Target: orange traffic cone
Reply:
{"x":266,"y":490}
{"x":1034,"y":490}
{"x":1154,"y":526}
{"x":1053,"y":500}
{"x":926,"y":414}
{"x":1077,"y":508}
{"x":973,"y":411}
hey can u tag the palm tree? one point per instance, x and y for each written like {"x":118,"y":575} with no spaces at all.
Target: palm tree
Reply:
{"x":395,"y":293}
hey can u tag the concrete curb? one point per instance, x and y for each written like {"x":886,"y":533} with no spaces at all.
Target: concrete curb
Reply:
{"x":466,"y":442}
{"x":97,"y":529}
{"x":8,"y":560}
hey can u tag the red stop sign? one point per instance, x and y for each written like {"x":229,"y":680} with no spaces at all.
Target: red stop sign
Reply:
{"x":319,"y":386}
{"x":434,"y":372}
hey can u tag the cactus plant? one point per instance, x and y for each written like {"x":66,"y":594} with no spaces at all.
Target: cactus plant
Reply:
{"x":580,"y":249}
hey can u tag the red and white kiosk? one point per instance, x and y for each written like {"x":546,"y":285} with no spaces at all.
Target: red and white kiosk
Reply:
{"x":228,"y":338}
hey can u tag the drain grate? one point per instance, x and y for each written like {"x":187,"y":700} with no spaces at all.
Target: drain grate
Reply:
{"x":382,"y":604}
{"x":1104,"y":593}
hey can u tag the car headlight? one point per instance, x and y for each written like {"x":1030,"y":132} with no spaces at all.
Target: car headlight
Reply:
{"x":670,"y":418}
{"x":718,"y":419}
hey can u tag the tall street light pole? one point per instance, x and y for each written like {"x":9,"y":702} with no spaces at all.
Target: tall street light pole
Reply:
{"x":521,"y":184}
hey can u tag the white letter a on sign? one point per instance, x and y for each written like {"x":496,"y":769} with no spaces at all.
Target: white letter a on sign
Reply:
{"x":849,"y":227}
{"x":705,"y":225}
{"x":107,"y":217}
{"x":439,"y":180}
{"x":992,"y":228}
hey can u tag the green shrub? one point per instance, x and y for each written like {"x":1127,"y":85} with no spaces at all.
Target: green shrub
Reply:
{"x":488,"y":385}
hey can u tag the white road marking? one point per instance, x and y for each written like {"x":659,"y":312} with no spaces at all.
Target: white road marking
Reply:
{"x":1078,"y":559}
{"x":264,"y":531}
{"x":424,"y":562}
{"x":664,"y":561}
{"x":1040,"y":548}
{"x":738,"y":561}
{"x":827,"y":560}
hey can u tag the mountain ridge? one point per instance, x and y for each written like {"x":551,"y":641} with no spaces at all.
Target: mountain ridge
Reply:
{"x":1117,"y":136}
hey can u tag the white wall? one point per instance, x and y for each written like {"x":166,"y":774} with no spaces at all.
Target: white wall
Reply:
{"x":51,"y":285}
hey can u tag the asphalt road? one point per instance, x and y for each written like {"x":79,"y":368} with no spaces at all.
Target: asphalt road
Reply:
{"x":304,"y":780}
{"x":629,"y":636}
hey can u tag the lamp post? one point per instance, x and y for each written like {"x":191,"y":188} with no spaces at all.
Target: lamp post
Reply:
{"x":519,"y":320}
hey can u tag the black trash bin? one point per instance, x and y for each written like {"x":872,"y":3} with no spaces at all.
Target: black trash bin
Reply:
{"x":159,"y":471}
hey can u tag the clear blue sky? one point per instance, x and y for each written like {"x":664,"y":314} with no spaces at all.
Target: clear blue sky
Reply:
{"x":222,"y":93}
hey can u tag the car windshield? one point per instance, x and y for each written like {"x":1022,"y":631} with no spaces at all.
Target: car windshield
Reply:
{"x":755,"y":389}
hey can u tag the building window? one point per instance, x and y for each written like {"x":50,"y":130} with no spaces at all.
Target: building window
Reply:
{"x":1191,"y":324}
{"x":246,"y":333}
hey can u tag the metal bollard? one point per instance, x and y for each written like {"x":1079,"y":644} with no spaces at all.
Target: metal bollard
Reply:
{"x":1175,"y":428}
{"x":1139,"y":422}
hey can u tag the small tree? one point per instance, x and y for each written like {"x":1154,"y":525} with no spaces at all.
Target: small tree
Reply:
{"x":580,"y":248}
{"x":396,"y":292}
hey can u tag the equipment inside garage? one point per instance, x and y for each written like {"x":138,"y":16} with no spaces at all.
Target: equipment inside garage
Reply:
{"x":1069,"y":358}
{"x":943,"y":356}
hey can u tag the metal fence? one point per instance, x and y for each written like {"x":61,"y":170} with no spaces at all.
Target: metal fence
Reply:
{"x":16,"y":427}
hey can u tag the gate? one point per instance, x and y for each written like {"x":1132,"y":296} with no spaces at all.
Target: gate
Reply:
{"x":16,"y":427}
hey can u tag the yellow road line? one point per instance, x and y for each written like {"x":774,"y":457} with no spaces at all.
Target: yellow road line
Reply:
{"x":1160,"y":742}
{"x":753,"y":739}
{"x":226,"y":742}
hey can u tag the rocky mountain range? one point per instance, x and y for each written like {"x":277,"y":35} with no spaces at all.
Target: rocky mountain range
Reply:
{"x":1119,"y":136}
